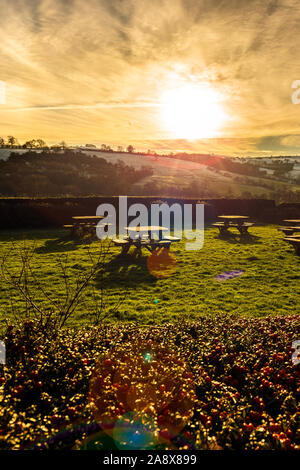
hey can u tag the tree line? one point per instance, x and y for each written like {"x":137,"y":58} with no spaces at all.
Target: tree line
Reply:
{"x":66,"y":173}
{"x":12,"y":142}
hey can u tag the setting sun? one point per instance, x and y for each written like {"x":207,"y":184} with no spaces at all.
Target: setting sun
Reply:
{"x":192,"y":112}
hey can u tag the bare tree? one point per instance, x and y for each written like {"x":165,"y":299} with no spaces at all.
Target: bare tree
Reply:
{"x":28,"y":284}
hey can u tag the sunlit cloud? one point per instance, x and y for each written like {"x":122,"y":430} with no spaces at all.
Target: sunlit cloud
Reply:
{"x":85,"y":106}
{"x":96,"y":70}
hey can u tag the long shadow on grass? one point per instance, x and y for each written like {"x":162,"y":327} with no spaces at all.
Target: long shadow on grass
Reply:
{"x":238,"y":239}
{"x":28,"y":235}
{"x":60,"y":245}
{"x":126,"y":271}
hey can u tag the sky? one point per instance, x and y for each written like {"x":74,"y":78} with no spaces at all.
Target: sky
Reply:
{"x":99,"y":71}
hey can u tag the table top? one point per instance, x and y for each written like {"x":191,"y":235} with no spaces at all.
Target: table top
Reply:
{"x":88,"y":217}
{"x":147,"y":228}
{"x":292,"y":221}
{"x":233,"y":217}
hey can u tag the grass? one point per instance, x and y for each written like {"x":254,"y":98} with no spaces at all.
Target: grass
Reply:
{"x":269,"y":285}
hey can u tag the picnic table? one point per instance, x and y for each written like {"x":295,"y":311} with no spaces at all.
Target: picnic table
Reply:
{"x":229,"y":219}
{"x":295,"y":242}
{"x":149,"y":231}
{"x":233,"y":221}
{"x":292,"y":221}
{"x":147,"y":236}
{"x":84,"y":224}
{"x":289,"y":230}
{"x":290,"y":226}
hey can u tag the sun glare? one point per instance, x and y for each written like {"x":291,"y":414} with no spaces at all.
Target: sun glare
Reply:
{"x":192,"y":112}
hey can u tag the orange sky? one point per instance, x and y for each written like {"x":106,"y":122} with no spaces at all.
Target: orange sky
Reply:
{"x":97,"y":71}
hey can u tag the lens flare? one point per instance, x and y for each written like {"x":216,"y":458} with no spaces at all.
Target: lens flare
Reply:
{"x":137,"y":399}
{"x":162,"y":263}
{"x":135,"y":431}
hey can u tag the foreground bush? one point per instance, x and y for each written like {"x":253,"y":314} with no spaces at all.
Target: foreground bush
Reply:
{"x":218,"y":383}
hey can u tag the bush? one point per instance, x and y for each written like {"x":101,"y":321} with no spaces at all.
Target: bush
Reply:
{"x":224,"y":382}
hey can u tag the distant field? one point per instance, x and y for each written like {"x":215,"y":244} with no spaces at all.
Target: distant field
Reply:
{"x":183,"y":173}
{"x":269,"y":285}
{"x":172,"y":174}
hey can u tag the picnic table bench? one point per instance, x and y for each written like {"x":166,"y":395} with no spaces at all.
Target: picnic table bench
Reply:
{"x":150,"y":245}
{"x":292,"y":221}
{"x":243,"y":229}
{"x":143,"y":237}
{"x":289,"y":230}
{"x":295,"y":242}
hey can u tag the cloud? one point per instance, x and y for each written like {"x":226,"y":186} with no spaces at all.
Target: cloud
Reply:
{"x":96,"y":69}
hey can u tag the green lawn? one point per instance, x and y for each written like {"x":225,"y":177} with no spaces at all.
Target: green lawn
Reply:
{"x":269,"y":285}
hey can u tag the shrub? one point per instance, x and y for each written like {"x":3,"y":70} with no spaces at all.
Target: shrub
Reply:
{"x":221,"y":382}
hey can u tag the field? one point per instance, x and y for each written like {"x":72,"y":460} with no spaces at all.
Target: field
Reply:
{"x":188,"y":361}
{"x":269,"y":284}
{"x":172,"y":172}
{"x":191,"y":178}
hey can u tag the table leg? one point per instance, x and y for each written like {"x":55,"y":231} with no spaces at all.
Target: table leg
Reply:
{"x":152,"y":247}
{"x":243,"y":230}
{"x":74,"y":229}
{"x":223,"y":230}
{"x":139,"y":251}
{"x":125,"y":249}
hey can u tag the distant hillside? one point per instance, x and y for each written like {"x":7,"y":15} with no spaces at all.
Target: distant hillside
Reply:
{"x":67,"y":173}
{"x":89,"y":171}
{"x":208,"y":175}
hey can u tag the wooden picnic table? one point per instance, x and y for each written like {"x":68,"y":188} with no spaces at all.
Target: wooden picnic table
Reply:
{"x":143,"y":236}
{"x":239,"y":219}
{"x":85,"y":223}
{"x":295,"y":242}
{"x":149,"y":230}
{"x":289,"y":230}
{"x":87,"y":218}
{"x":292,"y":221}
{"x":233,"y":221}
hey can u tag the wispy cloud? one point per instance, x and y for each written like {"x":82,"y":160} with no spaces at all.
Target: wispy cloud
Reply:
{"x":96,"y":69}
{"x":86,"y":106}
